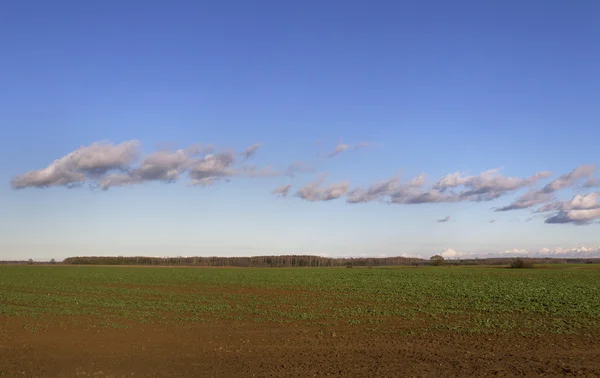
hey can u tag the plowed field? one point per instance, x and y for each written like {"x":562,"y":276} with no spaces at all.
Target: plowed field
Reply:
{"x":66,"y":321}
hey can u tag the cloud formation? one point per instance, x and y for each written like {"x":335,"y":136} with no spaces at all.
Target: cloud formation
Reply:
{"x":581,"y":210}
{"x":546,"y":195}
{"x":165,"y":166}
{"x":573,"y":252}
{"x":456,"y":187}
{"x":450,"y":253}
{"x":106,"y":165}
{"x":487,"y":185}
{"x":315,"y":192}
{"x":78,"y":166}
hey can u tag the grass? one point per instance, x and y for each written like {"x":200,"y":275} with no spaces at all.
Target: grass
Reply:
{"x":451,"y":299}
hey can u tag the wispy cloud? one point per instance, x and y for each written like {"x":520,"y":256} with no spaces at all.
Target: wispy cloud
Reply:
{"x":360,"y":145}
{"x":341,"y":147}
{"x":569,"y":179}
{"x":315,"y":191}
{"x":300,"y":167}
{"x":527,"y":200}
{"x":487,"y":185}
{"x":251,"y":150}
{"x":374,"y":192}
{"x":282,"y":190}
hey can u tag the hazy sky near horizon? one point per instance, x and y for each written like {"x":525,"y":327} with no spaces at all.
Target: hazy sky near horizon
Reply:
{"x":314,"y":127}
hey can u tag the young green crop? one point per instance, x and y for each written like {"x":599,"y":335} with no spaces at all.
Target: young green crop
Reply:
{"x":451,"y":299}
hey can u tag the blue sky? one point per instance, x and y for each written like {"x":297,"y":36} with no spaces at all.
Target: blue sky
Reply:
{"x":435,"y":87}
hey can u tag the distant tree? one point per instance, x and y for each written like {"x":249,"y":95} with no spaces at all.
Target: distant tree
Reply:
{"x":437,"y":260}
{"x":52,"y":261}
{"x":30,"y":261}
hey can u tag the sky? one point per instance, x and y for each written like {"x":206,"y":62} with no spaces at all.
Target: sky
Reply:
{"x":334,"y":128}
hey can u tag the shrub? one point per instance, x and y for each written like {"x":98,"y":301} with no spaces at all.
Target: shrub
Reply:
{"x":521,"y":264}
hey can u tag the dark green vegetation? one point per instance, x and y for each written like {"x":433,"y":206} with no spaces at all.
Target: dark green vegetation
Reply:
{"x":521,"y":264}
{"x":409,"y":300}
{"x":304,"y":261}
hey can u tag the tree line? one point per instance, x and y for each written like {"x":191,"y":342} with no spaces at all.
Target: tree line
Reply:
{"x":306,"y":261}
{"x":254,"y":261}
{"x":291,"y":261}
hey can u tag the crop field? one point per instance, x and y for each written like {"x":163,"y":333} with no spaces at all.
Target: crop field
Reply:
{"x":364,"y":322}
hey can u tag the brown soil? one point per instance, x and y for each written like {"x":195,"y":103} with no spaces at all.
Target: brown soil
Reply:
{"x":70,"y":347}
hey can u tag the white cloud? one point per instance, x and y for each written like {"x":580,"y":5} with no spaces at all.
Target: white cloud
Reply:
{"x":557,"y":252}
{"x":450,"y":253}
{"x":581,"y":210}
{"x":105,"y":165}
{"x":573,"y":252}
{"x":580,"y":201}
{"x":81,"y":165}
{"x":515,"y":251}
{"x":578,"y":217}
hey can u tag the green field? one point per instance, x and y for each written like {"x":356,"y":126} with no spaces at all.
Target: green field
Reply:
{"x":410,"y":300}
